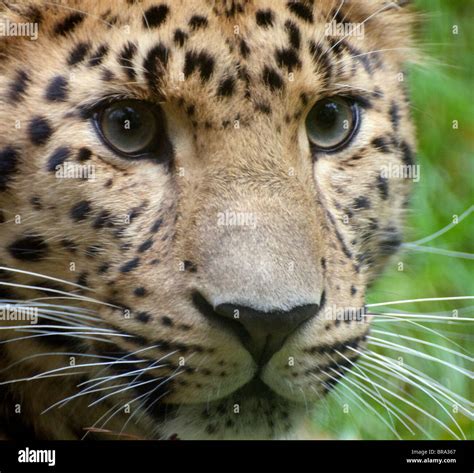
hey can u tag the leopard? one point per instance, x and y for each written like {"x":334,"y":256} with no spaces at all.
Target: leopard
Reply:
{"x":193,"y":205}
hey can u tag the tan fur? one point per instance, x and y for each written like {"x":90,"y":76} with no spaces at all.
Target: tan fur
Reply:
{"x":243,"y":161}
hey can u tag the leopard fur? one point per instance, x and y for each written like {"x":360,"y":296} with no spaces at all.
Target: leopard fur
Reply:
{"x":235,"y":80}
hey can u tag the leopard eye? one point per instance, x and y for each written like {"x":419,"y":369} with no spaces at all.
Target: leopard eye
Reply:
{"x":332,"y":123}
{"x":131,"y":128}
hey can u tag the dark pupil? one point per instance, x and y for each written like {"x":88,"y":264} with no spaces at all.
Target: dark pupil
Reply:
{"x":326,"y":116}
{"x":126,"y":119}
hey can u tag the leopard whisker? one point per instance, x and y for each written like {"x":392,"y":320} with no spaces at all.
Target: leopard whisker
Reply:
{"x":418,"y":408}
{"x":369,"y":366}
{"x":423,"y":327}
{"x":443,"y":230}
{"x":423,"y":342}
{"x":423,"y":299}
{"x":361,"y":371}
{"x":57,"y":291}
{"x":344,"y":383}
{"x":418,"y":386}
{"x":147,"y":408}
{"x":438,"y":251}
{"x":44,"y":276}
{"x":426,"y":380}
{"x":400,"y":348}
{"x":392,"y":408}
{"x":139,"y":397}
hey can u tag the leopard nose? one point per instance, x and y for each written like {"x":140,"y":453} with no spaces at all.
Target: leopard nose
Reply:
{"x":266,"y":332}
{"x":262,"y":333}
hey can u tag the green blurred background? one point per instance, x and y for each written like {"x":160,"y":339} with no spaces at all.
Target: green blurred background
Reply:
{"x":441,"y":91}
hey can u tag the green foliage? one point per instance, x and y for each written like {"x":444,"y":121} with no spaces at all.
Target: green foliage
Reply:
{"x":441,"y":92}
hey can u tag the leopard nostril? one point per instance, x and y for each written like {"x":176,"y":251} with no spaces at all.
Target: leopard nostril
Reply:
{"x":262,"y":333}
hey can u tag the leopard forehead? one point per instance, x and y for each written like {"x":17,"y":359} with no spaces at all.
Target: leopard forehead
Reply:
{"x":244,"y":212}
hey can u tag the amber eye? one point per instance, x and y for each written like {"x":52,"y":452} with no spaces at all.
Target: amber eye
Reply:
{"x":332,"y":123}
{"x":132,"y":128}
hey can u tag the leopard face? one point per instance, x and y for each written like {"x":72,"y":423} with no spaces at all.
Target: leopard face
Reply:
{"x":204,"y":281}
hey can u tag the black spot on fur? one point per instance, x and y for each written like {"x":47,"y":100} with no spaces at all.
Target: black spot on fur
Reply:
{"x":28,"y":248}
{"x":39,"y":130}
{"x":143,"y":317}
{"x":57,"y":89}
{"x":394,"y":115}
{"x":353,"y":290}
{"x":244,"y":48}
{"x":57,"y":158}
{"x":382,"y":186}
{"x":69,"y":245}
{"x":17,"y":88}
{"x":130,"y":265}
{"x":155,"y":64}
{"x":68,"y":24}
{"x":288,"y":58}
{"x":139,"y":291}
{"x":361,"y":202}
{"x":226,"y":87}
{"x":107,"y":75}
{"x":155,"y":16}
{"x":103,"y":268}
{"x":202,"y":61}
{"x":381,"y":144}
{"x":264,"y":18}
{"x":390,"y":242}
{"x":82,"y":279}
{"x":98,"y":56}
{"x":190,"y":266}
{"x":301,"y":10}
{"x":321,"y":60}
{"x":166,"y":321}
{"x":180,"y":37}
{"x":146,"y":245}
{"x":78,"y":53}
{"x":272,"y":79}
{"x":407,"y":154}
{"x":125,"y":59}
{"x":294,"y":35}
{"x":8,"y":165}
{"x":198,"y":21}
{"x":84,"y":154}
{"x":102,"y":220}
{"x":263,"y":107}
{"x":80,"y":211}
{"x":36,"y":203}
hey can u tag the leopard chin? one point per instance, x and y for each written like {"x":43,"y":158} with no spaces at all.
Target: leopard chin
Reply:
{"x":194,"y":198}
{"x":253,"y":412}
